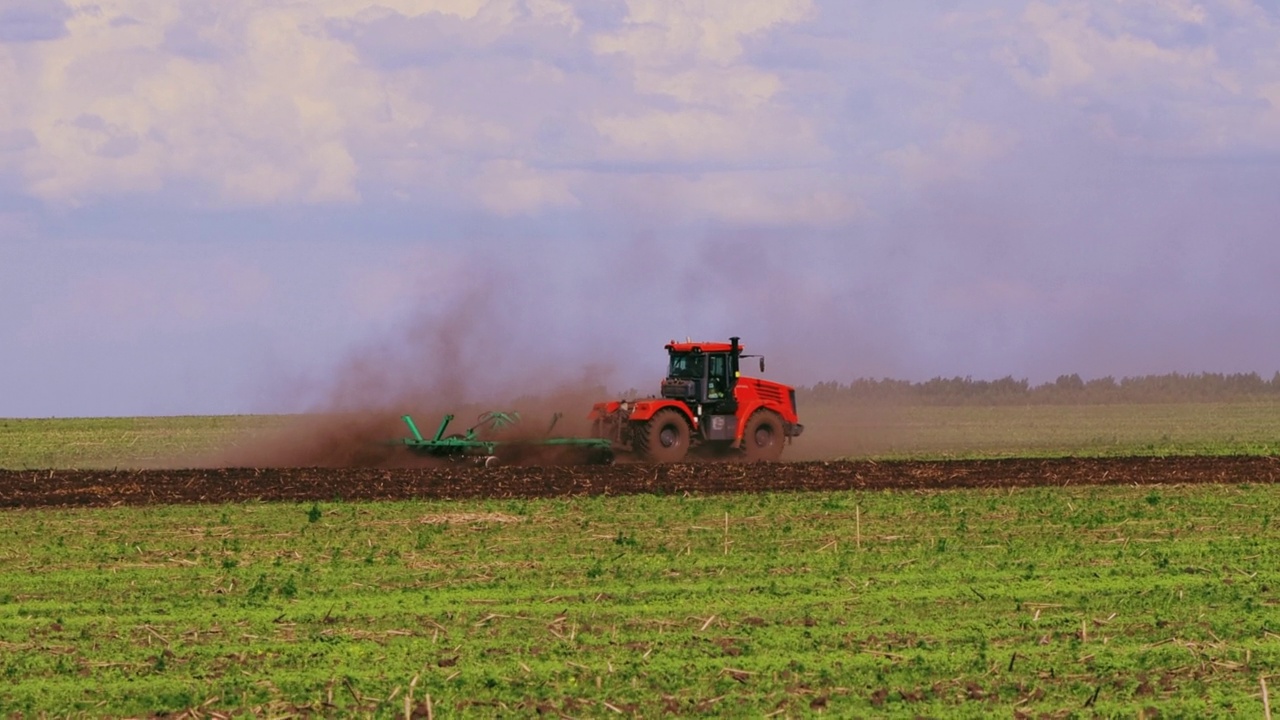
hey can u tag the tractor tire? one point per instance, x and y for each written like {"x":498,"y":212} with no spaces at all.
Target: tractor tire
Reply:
{"x":763,"y":438}
{"x":664,"y":438}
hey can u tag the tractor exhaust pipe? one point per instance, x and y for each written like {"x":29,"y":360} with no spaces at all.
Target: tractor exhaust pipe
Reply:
{"x":734,"y":350}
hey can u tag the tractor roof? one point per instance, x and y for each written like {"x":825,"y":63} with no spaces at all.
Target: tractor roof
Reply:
{"x":706,"y":347}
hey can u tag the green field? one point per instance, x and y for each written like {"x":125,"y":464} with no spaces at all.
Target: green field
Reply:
{"x":122,"y":442}
{"x":1084,"y":601}
{"x":831,"y":431}
{"x":1055,"y":602}
{"x":926,"y":432}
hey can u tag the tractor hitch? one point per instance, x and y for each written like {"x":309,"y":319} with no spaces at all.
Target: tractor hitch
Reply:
{"x":477,"y":444}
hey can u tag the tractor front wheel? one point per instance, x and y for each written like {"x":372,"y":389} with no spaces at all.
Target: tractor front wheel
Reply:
{"x":763,"y":438}
{"x":664,"y":438}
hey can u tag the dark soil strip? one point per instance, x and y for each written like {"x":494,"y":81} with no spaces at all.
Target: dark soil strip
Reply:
{"x":90,"y":488}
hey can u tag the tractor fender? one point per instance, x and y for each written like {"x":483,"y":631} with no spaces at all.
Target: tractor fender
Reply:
{"x":602,"y":410}
{"x":646,"y":409}
{"x":744,"y":416}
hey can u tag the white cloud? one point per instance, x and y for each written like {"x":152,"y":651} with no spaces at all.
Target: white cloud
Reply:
{"x":512,"y":106}
{"x":716,"y":87}
{"x":694,"y":53}
{"x":465,"y":9}
{"x":113,"y":112}
{"x":745,"y":197}
{"x":509,"y":187}
{"x":256,"y":102}
{"x":928,"y":161}
{"x":702,"y":136}
{"x":267,"y":103}
{"x":1155,"y":77}
{"x":555,"y":11}
{"x":1081,"y":53}
{"x":666,"y":33}
{"x":959,"y":154}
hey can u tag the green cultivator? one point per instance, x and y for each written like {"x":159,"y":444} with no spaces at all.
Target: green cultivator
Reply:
{"x":491,"y":441}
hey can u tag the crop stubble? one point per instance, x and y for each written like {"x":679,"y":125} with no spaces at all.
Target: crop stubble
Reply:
{"x":93,"y":488}
{"x":1110,"y":602}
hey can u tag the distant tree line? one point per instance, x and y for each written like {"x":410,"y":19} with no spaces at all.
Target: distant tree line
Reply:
{"x":1066,"y":390}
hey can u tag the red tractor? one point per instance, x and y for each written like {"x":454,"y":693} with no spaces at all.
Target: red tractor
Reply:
{"x":705,"y":404}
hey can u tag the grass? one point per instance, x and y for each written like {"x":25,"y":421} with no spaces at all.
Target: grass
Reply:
{"x":920,"y":432}
{"x":1069,"y":602}
{"x":120,"y":442}
{"x":1061,"y":602}
{"x":927,"y":432}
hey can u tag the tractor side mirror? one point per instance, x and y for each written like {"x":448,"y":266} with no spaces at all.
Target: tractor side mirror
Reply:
{"x":761,"y":364}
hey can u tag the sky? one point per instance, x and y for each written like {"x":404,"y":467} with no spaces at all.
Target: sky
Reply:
{"x":278,"y":206}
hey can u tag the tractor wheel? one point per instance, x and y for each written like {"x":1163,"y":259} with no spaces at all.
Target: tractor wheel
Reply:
{"x":763,"y":438}
{"x":664,"y":438}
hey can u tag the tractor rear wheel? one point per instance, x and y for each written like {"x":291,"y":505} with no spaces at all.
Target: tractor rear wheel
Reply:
{"x":664,"y":438}
{"x":763,"y":438}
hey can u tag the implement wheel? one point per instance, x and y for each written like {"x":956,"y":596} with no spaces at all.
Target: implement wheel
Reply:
{"x":762,"y":441}
{"x":664,"y":438}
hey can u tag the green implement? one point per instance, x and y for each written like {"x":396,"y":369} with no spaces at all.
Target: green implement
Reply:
{"x":484,"y":447}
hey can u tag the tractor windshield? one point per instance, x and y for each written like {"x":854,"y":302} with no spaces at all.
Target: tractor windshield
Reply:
{"x":686,"y":366}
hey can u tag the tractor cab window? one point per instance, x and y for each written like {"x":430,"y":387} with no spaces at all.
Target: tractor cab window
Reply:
{"x":717,"y":376}
{"x":687,"y":366}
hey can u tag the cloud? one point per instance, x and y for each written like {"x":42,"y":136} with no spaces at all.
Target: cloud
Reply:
{"x":509,"y":187}
{"x":467,"y":103}
{"x":115,"y":113}
{"x":744,"y":198}
{"x":708,"y":138}
{"x":340,"y":101}
{"x":1164,"y":78}
{"x":475,"y":31}
{"x":659,"y":33}
{"x":960,"y":154}
{"x":25,"y":21}
{"x":1010,"y":186}
{"x":725,"y":113}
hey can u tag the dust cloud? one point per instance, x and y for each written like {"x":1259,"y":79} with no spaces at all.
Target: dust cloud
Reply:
{"x":834,"y":431}
{"x":512,"y":342}
{"x":463,"y":359}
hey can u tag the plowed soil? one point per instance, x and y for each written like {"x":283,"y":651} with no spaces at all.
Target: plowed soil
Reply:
{"x":88,"y":488}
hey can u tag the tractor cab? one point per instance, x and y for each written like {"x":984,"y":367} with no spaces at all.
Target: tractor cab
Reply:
{"x":703,"y":374}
